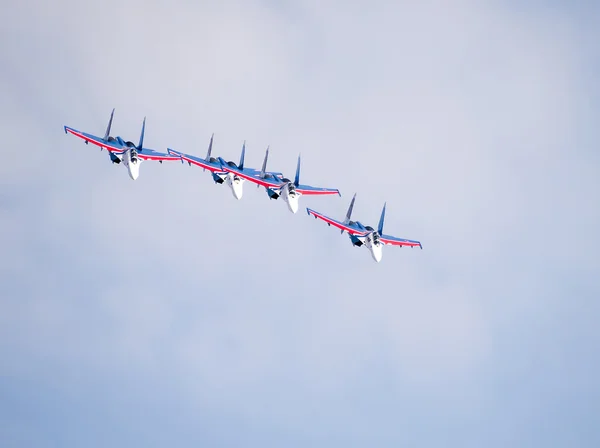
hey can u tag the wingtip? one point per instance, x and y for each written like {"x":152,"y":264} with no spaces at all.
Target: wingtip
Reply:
{"x":339,"y":194}
{"x":65,"y":128}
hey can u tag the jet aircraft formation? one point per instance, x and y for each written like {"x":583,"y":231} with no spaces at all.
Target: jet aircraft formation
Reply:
{"x":234,"y":175}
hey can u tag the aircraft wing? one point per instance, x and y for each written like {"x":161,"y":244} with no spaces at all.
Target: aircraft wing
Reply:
{"x":89,"y":138}
{"x":193,"y":160}
{"x":351,"y":229}
{"x":251,"y":175}
{"x":393,"y":241}
{"x":308,"y":190}
{"x":150,"y":154}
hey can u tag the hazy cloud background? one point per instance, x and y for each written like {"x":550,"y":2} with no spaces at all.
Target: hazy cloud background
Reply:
{"x":163,"y":311}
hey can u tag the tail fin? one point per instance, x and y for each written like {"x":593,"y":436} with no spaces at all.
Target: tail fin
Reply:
{"x":140,"y":146}
{"x":241,"y":165}
{"x":209,"y":148}
{"x":109,"y":125}
{"x":349,"y":212}
{"x":263,"y":171}
{"x":380,"y":227}
{"x":297,"y":179}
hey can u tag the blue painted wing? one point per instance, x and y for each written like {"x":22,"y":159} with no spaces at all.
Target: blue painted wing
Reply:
{"x":110,"y":145}
{"x":393,"y":241}
{"x":114,"y":146}
{"x":213,"y":166}
{"x":351,"y":228}
{"x":270,"y":180}
{"x":308,"y":190}
{"x":150,"y":154}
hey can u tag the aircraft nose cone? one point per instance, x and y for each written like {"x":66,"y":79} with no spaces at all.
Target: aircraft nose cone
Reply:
{"x":237,"y":191}
{"x":377,"y":253}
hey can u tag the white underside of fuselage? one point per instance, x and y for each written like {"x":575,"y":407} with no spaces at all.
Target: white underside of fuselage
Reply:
{"x":291,"y":199}
{"x":133,"y":168}
{"x":376,"y":249}
{"x":236,"y":184}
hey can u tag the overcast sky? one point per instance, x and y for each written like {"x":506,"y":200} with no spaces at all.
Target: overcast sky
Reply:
{"x":164,"y":312}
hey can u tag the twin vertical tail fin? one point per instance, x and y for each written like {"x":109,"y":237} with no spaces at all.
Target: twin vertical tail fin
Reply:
{"x":141,"y":145}
{"x":209,"y":148}
{"x":241,"y":165}
{"x":349,"y":212}
{"x":297,"y":178}
{"x":380,"y":227}
{"x":263,"y":171}
{"x":109,"y":125}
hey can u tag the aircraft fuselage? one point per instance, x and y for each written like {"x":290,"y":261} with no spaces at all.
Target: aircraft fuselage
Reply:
{"x":291,"y":197}
{"x":236,"y":183}
{"x":374,"y":245}
{"x":132,"y":163}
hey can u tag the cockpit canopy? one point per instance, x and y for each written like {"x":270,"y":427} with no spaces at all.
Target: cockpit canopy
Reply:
{"x":130,"y":144}
{"x":232,"y":164}
{"x":213,"y":160}
{"x":369,"y":228}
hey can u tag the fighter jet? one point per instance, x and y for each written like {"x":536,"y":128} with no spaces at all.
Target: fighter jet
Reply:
{"x":277,"y":186}
{"x":359,"y":234}
{"x":219,"y":174}
{"x":120,"y":150}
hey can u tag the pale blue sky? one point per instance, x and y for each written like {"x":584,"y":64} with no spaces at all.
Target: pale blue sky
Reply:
{"x":163,"y":311}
